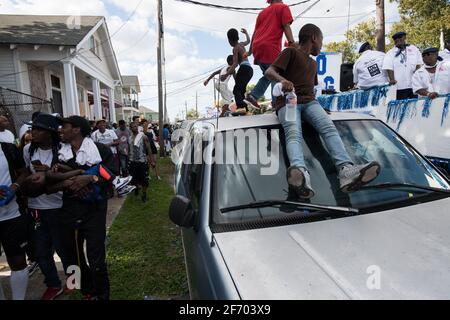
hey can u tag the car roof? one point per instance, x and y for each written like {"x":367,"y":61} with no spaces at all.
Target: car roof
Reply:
{"x":233,"y":123}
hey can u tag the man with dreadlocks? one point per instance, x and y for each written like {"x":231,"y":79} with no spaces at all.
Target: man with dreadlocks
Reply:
{"x":40,"y":156}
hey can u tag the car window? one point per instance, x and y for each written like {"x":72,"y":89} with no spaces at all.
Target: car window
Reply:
{"x":241,"y":183}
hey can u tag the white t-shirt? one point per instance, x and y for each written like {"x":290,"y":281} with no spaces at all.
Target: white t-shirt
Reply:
{"x":46,"y":201}
{"x":224,"y":72}
{"x":438,"y":82}
{"x":404,"y":65}
{"x":445,"y":54}
{"x":109,"y":136}
{"x":7,"y":137}
{"x":368,"y":70}
{"x":10,"y":211}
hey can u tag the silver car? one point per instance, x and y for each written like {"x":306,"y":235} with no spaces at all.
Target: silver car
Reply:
{"x":246,"y":237}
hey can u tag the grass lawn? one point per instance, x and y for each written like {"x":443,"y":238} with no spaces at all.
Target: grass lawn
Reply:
{"x":144,"y":251}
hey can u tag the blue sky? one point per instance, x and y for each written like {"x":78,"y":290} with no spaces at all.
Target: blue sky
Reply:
{"x":189,"y":51}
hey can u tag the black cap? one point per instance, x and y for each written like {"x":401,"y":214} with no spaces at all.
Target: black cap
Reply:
{"x":398,"y":35}
{"x":79,"y":122}
{"x":46,"y":122}
{"x":430,"y":50}
{"x":365,"y":46}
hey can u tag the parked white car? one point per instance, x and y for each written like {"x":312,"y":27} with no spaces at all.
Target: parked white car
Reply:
{"x":245,"y":237}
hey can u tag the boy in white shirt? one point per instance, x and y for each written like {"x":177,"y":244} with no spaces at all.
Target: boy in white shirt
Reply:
{"x":401,"y":62}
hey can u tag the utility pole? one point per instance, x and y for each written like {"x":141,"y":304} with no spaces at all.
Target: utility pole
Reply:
{"x":160,"y":82}
{"x":381,"y":26}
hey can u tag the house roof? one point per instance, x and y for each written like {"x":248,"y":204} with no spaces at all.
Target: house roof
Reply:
{"x":45,"y":30}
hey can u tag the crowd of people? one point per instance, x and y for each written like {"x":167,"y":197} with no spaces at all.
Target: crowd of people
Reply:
{"x":415,"y":73}
{"x":54,"y":189}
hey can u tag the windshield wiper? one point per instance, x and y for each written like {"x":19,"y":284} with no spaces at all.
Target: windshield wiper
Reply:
{"x":403,"y":185}
{"x":271,"y":203}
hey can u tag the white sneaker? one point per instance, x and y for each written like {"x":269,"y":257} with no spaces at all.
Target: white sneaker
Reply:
{"x":353,"y":177}
{"x":119,"y":182}
{"x":125,"y":191}
{"x":159,"y":178}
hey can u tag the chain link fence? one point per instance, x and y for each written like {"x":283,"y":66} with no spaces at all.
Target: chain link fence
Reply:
{"x":18,"y":107}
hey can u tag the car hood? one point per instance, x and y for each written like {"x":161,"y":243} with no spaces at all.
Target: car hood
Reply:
{"x":396,"y":254}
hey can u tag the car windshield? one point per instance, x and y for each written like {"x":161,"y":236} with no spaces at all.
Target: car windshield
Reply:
{"x":258,"y":172}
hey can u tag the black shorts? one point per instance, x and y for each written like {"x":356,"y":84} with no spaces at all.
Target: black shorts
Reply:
{"x":139,"y":171}
{"x":13,"y":236}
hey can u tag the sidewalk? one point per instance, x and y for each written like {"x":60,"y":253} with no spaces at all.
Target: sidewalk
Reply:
{"x":36,"y":286}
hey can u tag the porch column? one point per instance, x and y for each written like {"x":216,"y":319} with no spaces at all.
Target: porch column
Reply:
{"x":98,"y":114}
{"x":112,"y":108}
{"x":70,"y":83}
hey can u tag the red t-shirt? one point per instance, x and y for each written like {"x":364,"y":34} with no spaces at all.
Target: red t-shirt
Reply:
{"x":269,"y":32}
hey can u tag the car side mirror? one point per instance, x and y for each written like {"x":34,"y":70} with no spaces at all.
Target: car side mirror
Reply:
{"x":181,"y":212}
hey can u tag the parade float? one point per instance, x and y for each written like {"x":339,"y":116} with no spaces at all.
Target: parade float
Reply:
{"x":423,"y":122}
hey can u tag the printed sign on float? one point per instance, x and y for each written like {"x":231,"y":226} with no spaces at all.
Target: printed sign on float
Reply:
{"x":329,"y":70}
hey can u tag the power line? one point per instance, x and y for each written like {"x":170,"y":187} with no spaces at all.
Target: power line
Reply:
{"x":186,"y":79}
{"x":217,"y":6}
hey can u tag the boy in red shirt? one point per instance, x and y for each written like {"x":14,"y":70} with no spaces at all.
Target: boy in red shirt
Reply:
{"x":271,"y":24}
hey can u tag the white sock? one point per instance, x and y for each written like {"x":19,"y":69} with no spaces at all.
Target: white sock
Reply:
{"x":2,"y":295}
{"x":19,"y":284}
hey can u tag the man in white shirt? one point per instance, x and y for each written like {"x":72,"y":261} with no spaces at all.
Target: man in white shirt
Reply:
{"x":433,"y":78}
{"x":106,"y":136}
{"x":401,"y":62}
{"x":40,"y":156}
{"x":368,"y":69}
{"x":445,"y":54}
{"x":13,"y":233}
{"x":5,"y":135}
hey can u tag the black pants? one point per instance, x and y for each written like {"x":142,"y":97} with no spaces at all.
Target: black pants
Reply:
{"x":90,"y":228}
{"x":406,"y":94}
{"x":243,"y":77}
{"x":46,"y":239}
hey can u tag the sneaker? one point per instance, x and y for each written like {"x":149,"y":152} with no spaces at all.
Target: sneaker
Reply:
{"x":32,"y":268}
{"x":300,"y":182}
{"x":119,"y":182}
{"x":249,"y":99}
{"x":52,"y":293}
{"x":126,"y":190}
{"x":159,"y":178}
{"x":353,"y":177}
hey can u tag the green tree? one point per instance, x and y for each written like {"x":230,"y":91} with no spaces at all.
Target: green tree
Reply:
{"x":423,"y":21}
{"x":192,"y":114}
{"x":365,"y":31}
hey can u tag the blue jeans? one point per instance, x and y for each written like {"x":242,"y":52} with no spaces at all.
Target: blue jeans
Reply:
{"x":261,"y":87}
{"x":315,"y":115}
{"x":47,"y":241}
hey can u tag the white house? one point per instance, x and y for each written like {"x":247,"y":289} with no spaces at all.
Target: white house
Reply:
{"x":130,"y":93}
{"x":69,"y":60}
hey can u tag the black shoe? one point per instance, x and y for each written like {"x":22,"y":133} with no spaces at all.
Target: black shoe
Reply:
{"x":144,"y":198}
